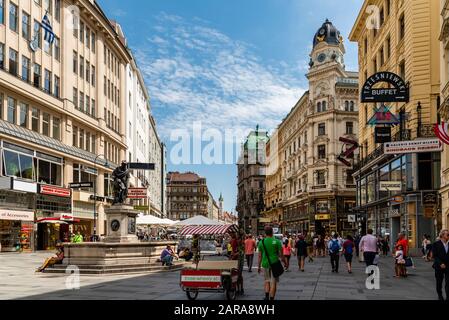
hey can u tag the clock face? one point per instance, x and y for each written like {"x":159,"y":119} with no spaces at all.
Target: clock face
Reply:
{"x":322,"y":32}
{"x":115,"y":225}
{"x":321,"y":57}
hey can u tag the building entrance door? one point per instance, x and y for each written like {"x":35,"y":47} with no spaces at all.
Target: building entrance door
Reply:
{"x":322,"y":228}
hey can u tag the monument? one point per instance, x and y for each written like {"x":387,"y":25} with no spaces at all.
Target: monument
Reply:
{"x":121,"y":251}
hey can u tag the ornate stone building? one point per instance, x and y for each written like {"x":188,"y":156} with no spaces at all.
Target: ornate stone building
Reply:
{"x":314,"y":189}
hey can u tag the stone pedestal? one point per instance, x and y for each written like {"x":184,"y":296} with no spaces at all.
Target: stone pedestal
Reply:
{"x":121,"y":224}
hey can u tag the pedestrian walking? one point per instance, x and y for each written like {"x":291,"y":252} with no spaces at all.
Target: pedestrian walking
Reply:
{"x":348,"y":251}
{"x":385,"y":246}
{"x":315,"y":246}
{"x":301,"y":252}
{"x":310,"y":250}
{"x":402,"y":241}
{"x":287,"y":251}
{"x":399,"y":264}
{"x":250,"y":249}
{"x":270,"y":254}
{"x":334,"y":252}
{"x":440,"y":252}
{"x":368,"y":248}
{"x":426,"y":247}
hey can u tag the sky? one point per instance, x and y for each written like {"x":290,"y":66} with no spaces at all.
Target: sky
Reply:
{"x":220,"y":68}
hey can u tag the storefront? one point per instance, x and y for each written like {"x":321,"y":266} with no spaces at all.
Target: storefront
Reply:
{"x":50,"y":203}
{"x":16,"y":230}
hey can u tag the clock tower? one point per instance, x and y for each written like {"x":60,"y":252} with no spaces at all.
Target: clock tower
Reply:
{"x":328,"y":46}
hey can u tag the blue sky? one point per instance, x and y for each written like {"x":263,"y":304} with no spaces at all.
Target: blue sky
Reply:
{"x":229,"y":64}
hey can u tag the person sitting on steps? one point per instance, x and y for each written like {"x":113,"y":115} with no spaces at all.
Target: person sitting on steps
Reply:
{"x":53,"y":260}
{"x":167,"y":256}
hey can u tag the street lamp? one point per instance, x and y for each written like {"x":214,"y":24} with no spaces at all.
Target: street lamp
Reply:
{"x":95,"y":194}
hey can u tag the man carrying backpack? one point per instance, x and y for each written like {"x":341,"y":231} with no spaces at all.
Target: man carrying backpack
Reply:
{"x":348,"y":251}
{"x":334,"y":247}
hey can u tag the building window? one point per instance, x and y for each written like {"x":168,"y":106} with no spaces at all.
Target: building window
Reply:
{"x":13,"y":62}
{"x":93,"y":109}
{"x":57,"y":48}
{"x":47,"y":81}
{"x":93,"y":80}
{"x":381,"y":16}
{"x":75,"y":97}
{"x":366,"y":46}
{"x":18,"y":165}
{"x":388,"y":51}
{"x":321,"y":129}
{"x":37,"y":75}
{"x":351,"y":106}
{"x":87,"y":71}
{"x":82,"y":31}
{"x":46,"y":124}
{"x":375,"y":65}
{"x":87,"y":141}
{"x":81,"y":67}
{"x":81,"y":139}
{"x":382,"y":57}
{"x":2,"y":55}
{"x":93,"y":42}
{"x":37,"y":33}
{"x":49,"y":172}
{"x":322,"y":152}
{"x":318,"y":109}
{"x":321,"y":177}
{"x":57,"y":87}
{"x":401,"y":27}
{"x":75,"y":62}
{"x":2,"y":11}
{"x":58,"y":10}
{"x":13,"y":17}
{"x":387,"y":7}
{"x":75,"y":136}
{"x":81,"y":105}
{"x":26,"y":25}
{"x":349,"y":128}
{"x":56,"y":128}
{"x":25,"y":69}
{"x":48,"y":6}
{"x":35,"y":114}
{"x":87,"y":37}
{"x":11,"y":114}
{"x":87,"y":104}
{"x":402,"y":69}
{"x":94,"y":144}
{"x":23,"y":115}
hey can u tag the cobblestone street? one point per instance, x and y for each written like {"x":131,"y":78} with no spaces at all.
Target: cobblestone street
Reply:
{"x":19,"y":281}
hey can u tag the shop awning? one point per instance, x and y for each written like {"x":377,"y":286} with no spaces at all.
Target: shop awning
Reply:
{"x":56,"y":221}
{"x":208,"y":230}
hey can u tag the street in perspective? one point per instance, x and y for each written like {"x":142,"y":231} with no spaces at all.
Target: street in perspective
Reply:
{"x":195,"y":151}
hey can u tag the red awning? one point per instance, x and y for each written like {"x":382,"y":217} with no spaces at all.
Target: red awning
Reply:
{"x":56,"y":220}
{"x":208,"y":229}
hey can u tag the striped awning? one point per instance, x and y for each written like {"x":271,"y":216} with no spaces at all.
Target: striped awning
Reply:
{"x":208,"y":230}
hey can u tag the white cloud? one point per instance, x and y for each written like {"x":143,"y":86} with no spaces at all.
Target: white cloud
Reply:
{"x":204,"y":75}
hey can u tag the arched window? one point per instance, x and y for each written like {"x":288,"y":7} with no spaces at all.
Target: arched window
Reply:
{"x":351,"y":108}
{"x":324,"y":106}
{"x":319,"y":107}
{"x":346,"y":105}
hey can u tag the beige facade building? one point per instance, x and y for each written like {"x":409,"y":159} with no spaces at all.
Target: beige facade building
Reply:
{"x":400,"y":37}
{"x":444,"y":110}
{"x":61,"y":110}
{"x":314,"y":189}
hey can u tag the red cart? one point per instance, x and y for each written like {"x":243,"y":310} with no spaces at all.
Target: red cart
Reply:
{"x":210,"y":276}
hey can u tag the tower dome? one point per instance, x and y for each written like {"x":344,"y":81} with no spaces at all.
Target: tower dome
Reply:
{"x":327,"y":33}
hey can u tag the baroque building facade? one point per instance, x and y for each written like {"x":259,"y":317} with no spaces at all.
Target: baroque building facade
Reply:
{"x":402,"y":38}
{"x":308,"y":188}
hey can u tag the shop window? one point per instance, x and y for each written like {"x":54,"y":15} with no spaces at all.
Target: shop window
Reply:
{"x":18,"y":165}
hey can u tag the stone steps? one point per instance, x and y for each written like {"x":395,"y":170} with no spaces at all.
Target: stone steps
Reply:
{"x":119,"y":269}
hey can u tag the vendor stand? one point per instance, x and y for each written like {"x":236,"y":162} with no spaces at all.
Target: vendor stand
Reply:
{"x":207,"y":275}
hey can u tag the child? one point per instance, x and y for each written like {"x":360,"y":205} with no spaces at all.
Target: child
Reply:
{"x":400,"y":263}
{"x":287,"y":251}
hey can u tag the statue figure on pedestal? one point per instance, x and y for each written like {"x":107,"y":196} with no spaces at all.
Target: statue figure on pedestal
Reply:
{"x":121,"y":177}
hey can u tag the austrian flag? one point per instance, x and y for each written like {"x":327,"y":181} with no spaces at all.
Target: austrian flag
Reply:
{"x":442,"y":132}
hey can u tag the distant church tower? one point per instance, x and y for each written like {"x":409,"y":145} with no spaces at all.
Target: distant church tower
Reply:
{"x":220,"y":207}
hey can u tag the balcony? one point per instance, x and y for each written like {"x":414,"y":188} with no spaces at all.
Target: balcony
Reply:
{"x":426,"y":131}
{"x":378,"y":152}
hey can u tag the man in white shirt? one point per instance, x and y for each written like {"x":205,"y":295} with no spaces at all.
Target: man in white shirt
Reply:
{"x":368,"y":246}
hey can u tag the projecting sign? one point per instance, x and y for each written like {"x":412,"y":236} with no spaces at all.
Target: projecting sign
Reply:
{"x":141,"y":166}
{"x":382,"y":134}
{"x":398,"y":93}
{"x":137,"y":193}
{"x":54,"y":191}
{"x":390,"y":186}
{"x":77,"y":185}
{"x":416,"y":146}
{"x":320,"y":217}
{"x":351,"y":218}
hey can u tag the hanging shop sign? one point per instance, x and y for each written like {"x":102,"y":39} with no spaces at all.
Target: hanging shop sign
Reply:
{"x":442,"y":132}
{"x":349,"y":146}
{"x":65,"y":216}
{"x":383,"y":116}
{"x":398,"y":91}
{"x":382,"y":134}
{"x":352,"y":218}
{"x":322,"y":217}
{"x":54,"y":191}
{"x":137,"y":193}
{"x":416,"y":146}
{"x":77,"y":185}
{"x":390,"y":186}
{"x":398,"y":199}
{"x":142,"y":208}
{"x":429,"y":198}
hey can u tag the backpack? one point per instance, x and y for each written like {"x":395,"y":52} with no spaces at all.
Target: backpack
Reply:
{"x":335,"y":246}
{"x":348,"y":249}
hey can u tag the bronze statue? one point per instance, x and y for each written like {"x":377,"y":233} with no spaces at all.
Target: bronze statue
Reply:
{"x":121,"y":177}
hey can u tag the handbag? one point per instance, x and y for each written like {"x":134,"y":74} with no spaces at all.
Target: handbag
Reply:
{"x":276,"y":268}
{"x":409,"y":262}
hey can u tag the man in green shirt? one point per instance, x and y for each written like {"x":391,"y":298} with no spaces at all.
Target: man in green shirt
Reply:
{"x":272,"y":247}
